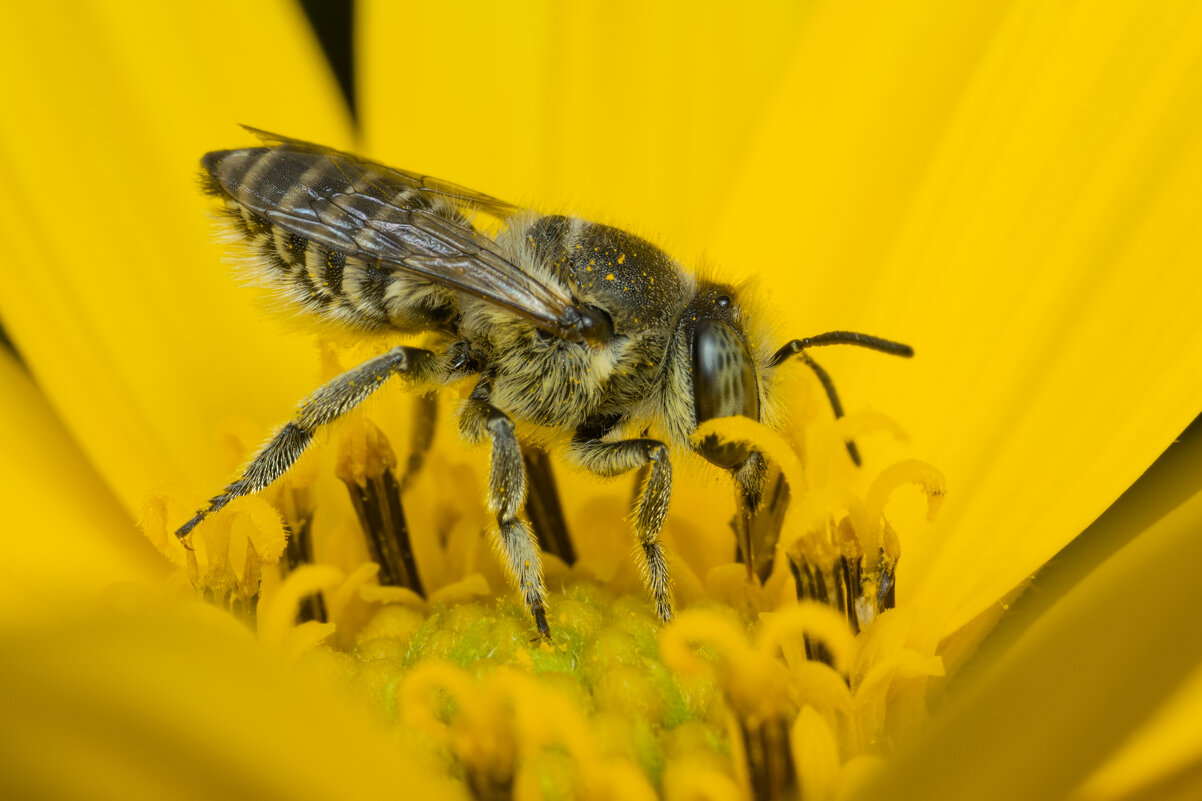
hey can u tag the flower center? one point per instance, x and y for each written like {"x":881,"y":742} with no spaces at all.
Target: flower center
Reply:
{"x":782,"y":671}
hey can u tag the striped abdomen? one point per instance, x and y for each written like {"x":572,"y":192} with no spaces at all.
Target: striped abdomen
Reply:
{"x":282,"y":205}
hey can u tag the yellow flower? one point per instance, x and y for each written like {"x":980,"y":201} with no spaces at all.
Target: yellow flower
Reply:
{"x":1011,"y":188}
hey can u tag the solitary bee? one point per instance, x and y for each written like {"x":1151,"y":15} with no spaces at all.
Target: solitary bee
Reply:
{"x":579,"y":328}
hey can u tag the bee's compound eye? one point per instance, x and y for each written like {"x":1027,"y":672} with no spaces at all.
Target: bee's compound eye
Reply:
{"x":596,"y":325}
{"x":724,"y":385}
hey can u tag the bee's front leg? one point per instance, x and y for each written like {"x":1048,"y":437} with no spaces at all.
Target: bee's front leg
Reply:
{"x":762,"y":500}
{"x":651,"y":506}
{"x":506,"y":495}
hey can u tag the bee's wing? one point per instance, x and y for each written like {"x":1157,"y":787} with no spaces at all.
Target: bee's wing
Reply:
{"x":412,"y":222}
{"x":396,"y":177}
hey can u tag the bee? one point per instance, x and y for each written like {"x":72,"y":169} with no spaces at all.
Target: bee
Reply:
{"x":574,"y":327}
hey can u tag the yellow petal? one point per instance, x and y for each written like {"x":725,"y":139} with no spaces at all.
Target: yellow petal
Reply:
{"x":816,"y":755}
{"x":1068,"y":693}
{"x":65,"y":536}
{"x":1011,"y":189}
{"x":1162,"y":758}
{"x":114,"y":289}
{"x":635,"y":112}
{"x":183,"y":704}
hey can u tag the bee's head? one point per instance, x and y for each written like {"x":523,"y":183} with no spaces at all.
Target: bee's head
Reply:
{"x":723,"y":370}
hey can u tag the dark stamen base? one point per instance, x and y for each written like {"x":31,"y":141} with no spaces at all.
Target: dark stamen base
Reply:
{"x":845,"y":586}
{"x":769,"y":759}
{"x":377,"y":502}
{"x":543,"y":508}
{"x":367,"y":468}
{"x":299,"y":550}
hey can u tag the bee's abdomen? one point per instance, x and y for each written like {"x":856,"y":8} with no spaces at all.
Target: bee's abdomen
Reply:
{"x":321,"y":279}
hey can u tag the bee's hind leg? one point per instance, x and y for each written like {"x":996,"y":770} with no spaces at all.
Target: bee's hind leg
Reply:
{"x":325,"y":405}
{"x":651,"y":507}
{"x":506,"y":495}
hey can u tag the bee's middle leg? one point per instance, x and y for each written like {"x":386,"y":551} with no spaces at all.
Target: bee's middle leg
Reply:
{"x":506,"y":495}
{"x":651,"y":507}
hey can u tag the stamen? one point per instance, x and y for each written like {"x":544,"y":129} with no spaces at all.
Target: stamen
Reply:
{"x":836,"y":587}
{"x":276,"y":628}
{"x":757,"y":686}
{"x":543,"y":507}
{"x":366,"y":465}
{"x":815,"y":750}
{"x":770,"y":766}
{"x":841,"y":551}
{"x":425,"y":418}
{"x":501,"y":724}
{"x":248,"y":532}
{"x":858,"y":589}
{"x":926,"y":478}
{"x":296,"y":507}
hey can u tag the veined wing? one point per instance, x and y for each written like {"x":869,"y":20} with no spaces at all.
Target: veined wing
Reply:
{"x":410,"y":222}
{"x":394,"y":177}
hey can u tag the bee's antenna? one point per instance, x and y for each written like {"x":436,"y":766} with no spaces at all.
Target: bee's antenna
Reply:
{"x":797,"y":348}
{"x":833,"y":397}
{"x":841,"y":338}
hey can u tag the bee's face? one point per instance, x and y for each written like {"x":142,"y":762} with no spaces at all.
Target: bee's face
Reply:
{"x":724,"y":372}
